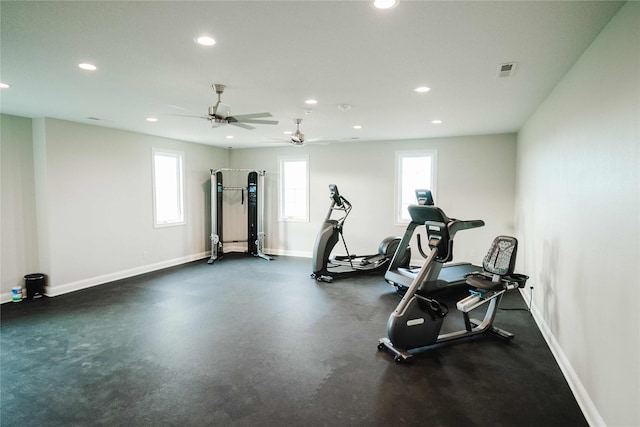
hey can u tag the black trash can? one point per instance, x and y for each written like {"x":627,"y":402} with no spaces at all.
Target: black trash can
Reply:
{"x":35,"y":285}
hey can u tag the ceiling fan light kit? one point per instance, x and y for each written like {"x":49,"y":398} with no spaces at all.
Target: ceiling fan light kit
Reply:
{"x":297,"y":138}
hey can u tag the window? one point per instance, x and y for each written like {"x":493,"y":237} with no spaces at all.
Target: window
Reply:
{"x":168,"y":199}
{"x":294,"y":188}
{"x":414,"y":169}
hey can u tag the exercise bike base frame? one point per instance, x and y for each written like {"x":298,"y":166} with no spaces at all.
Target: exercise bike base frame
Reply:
{"x":415,"y":326}
{"x":473,"y":327}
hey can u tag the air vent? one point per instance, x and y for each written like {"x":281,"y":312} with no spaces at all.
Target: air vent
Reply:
{"x":507,"y":70}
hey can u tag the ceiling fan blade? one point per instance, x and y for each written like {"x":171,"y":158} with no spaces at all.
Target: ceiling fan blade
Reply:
{"x":275,"y":141}
{"x":191,"y":115}
{"x":177,"y":107}
{"x":242,"y":125}
{"x":252,"y":116}
{"x":320,"y":141}
{"x":259,"y":122}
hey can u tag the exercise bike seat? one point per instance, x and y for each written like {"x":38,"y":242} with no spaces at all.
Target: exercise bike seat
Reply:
{"x":498,"y":263}
{"x":480,"y":281}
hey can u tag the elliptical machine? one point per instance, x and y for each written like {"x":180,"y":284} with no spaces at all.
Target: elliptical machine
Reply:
{"x":325,"y":269}
{"x":415,"y":323}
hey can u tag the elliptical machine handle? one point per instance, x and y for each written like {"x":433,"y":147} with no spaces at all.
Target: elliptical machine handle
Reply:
{"x":346,"y":202}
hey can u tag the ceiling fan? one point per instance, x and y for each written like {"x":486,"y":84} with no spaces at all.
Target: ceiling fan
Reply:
{"x":220,"y":114}
{"x":297,"y":138}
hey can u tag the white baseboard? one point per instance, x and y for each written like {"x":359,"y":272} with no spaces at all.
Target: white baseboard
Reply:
{"x":589,"y":410}
{"x":281,"y":252}
{"x":230,"y":247}
{"x":53,"y":291}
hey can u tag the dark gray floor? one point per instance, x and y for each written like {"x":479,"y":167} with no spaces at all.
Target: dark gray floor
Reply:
{"x":248,"y":342}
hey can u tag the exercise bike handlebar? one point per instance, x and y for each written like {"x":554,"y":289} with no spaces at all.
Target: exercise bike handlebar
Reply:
{"x":422,"y":274}
{"x":457,"y":225}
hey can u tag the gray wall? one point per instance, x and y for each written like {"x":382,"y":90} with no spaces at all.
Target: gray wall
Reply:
{"x":579,"y":221}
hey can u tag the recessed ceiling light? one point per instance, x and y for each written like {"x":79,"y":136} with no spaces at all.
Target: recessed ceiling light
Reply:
{"x":436,"y":122}
{"x":422,"y":89}
{"x":229,"y":136}
{"x":385,"y":4}
{"x":87,"y":66}
{"x":152,"y":119}
{"x":4,"y":86}
{"x":357,"y":127}
{"x":205,"y":40}
{"x":287,"y":132}
{"x":311,"y":101}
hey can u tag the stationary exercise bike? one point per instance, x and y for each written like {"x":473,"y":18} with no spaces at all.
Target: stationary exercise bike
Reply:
{"x":416,"y":322}
{"x":325,"y":269}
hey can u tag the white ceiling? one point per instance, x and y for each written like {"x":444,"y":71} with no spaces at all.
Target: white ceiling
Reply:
{"x":274,"y":55}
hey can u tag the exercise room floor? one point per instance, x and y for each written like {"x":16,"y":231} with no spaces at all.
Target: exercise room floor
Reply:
{"x":248,"y":342}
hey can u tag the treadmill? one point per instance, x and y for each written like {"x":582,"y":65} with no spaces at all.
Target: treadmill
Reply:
{"x":442,"y":277}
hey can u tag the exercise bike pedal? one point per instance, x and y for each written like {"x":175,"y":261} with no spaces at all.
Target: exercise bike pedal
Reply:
{"x":501,"y":333}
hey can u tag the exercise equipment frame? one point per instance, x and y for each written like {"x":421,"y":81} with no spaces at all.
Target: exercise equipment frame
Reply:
{"x":415,"y":324}
{"x":255,"y":214}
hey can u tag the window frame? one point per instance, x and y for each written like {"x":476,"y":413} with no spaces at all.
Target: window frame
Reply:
{"x":400,"y":155}
{"x":282,"y":160}
{"x":179,"y":156}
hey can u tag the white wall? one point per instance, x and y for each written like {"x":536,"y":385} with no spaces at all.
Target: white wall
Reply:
{"x":476,"y":180}
{"x":578,"y":217}
{"x":19,"y":239}
{"x":96,"y":191}
{"x":90,"y":188}
{"x":94,"y":204}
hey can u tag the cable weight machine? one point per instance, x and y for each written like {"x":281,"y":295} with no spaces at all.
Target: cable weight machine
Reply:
{"x":255,"y":212}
